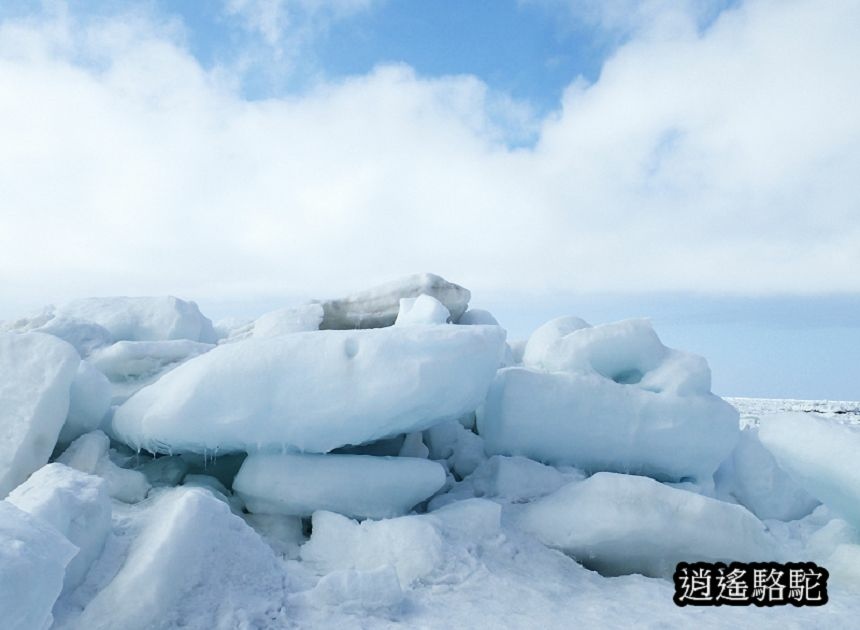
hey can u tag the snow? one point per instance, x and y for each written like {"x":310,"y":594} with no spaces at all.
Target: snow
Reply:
{"x":518,"y":478}
{"x":412,"y":545}
{"x":281,"y":532}
{"x":33,"y":559}
{"x":413,"y":446}
{"x":288,"y":320}
{"x":314,"y":391}
{"x":752,"y":477}
{"x":620,"y":524}
{"x":30,"y":323}
{"x":218,"y":490}
{"x":421,"y":310}
{"x":352,"y":591}
{"x":193,"y":564}
{"x":752,"y":409}
{"x":510,"y":478}
{"x":628,"y":353}
{"x":132,"y":365}
{"x":86,"y":452}
{"x":284,"y":321}
{"x":844,"y":565}
{"x":820,"y":455}
{"x":89,"y":454}
{"x":379,"y":306}
{"x":230,"y":329}
{"x":165,"y":471}
{"x":517,"y":348}
{"x":470,"y":519}
{"x":435,"y":491}
{"x":415,"y":546}
{"x":209,"y":482}
{"x":89,"y":401}
{"x":136,"y":359}
{"x":477,"y":317}
{"x":513,"y":581}
{"x":591,"y":422}
{"x":36,"y":375}
{"x":827,"y":533}
{"x":223,"y":467}
{"x":75,"y":504}
{"x":462,"y":450}
{"x":832,"y":543}
{"x":615,"y":400}
{"x":125,"y":485}
{"x":85,"y":336}
{"x":542,"y":339}
{"x":143,"y":318}
{"x":361,"y":486}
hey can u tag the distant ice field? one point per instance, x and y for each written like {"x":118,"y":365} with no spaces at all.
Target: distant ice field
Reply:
{"x":752,"y":409}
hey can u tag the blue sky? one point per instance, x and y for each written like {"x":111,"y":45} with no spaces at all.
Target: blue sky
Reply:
{"x":691,"y":161}
{"x":769,"y":347}
{"x":530,"y":51}
{"x":521,"y":50}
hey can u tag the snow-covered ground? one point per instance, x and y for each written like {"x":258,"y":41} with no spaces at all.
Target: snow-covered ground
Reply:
{"x":389,"y":460}
{"x":751,"y":409}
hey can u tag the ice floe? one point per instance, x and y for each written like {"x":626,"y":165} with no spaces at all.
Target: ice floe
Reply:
{"x":388,"y":459}
{"x":314,"y":391}
{"x":610,"y":398}
{"x":36,"y":376}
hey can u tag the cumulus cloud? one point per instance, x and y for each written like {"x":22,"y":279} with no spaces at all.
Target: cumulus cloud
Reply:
{"x":722,"y":159}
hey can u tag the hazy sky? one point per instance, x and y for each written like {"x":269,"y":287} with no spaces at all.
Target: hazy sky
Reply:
{"x":257,"y":150}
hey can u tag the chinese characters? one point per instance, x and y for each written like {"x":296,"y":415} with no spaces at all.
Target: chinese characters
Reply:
{"x":743,"y":584}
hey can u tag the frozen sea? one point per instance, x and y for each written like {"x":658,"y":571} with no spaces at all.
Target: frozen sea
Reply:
{"x":752,"y":409}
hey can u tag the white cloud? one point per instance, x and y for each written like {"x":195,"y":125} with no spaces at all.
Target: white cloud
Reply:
{"x":289,"y":25}
{"x":720,"y":161}
{"x":274,"y":18}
